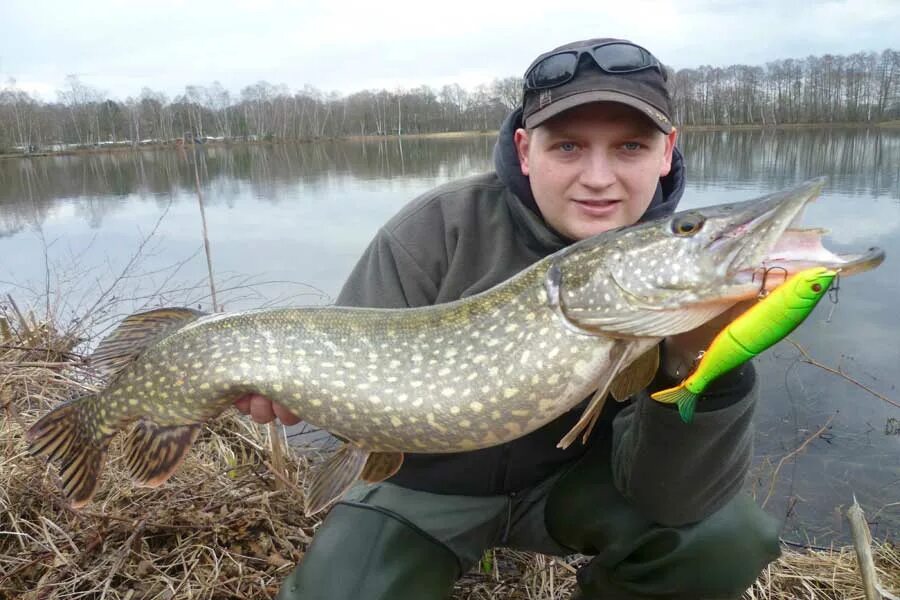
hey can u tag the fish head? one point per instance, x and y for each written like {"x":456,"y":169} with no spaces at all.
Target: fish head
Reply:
{"x":670,"y":275}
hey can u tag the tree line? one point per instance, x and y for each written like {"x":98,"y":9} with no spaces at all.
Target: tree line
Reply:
{"x":859,"y":88}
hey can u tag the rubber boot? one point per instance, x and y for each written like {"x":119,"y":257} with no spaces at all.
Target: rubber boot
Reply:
{"x":637,"y":559}
{"x":363,"y":552}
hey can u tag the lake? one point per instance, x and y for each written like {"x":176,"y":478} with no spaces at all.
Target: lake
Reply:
{"x":107,"y":233}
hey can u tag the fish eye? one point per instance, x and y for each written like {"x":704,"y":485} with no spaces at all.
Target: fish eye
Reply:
{"x":688,"y":224}
{"x":817,"y":287}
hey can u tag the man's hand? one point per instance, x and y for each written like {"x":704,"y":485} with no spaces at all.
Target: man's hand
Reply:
{"x":263,"y":410}
{"x":680,"y":351}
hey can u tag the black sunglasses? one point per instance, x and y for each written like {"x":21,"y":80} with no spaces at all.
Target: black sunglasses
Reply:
{"x":612,"y":57}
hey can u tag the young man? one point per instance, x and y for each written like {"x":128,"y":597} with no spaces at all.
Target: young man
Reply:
{"x":656,"y":504}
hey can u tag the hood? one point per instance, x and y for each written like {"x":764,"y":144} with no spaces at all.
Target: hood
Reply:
{"x":525,"y":210}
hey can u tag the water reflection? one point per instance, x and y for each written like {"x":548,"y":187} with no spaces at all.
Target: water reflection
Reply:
{"x":856,"y":161}
{"x":29,"y":188}
{"x":300,"y":215}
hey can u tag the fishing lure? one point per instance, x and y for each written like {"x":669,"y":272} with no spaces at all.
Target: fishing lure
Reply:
{"x":763,"y":325}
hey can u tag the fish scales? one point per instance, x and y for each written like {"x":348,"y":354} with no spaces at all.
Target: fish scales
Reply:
{"x":444,"y":379}
{"x":453,"y":377}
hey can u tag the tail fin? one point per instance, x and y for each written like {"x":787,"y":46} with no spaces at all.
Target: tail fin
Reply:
{"x":62,"y":435}
{"x":685,"y":399}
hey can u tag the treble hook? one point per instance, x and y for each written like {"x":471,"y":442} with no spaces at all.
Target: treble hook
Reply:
{"x":765,"y":275}
{"x":833,"y":290}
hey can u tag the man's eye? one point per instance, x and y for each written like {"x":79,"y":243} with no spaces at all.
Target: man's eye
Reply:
{"x":631,"y":146}
{"x":567,"y":146}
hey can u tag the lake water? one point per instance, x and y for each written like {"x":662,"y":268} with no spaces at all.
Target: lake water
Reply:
{"x":287,"y":222}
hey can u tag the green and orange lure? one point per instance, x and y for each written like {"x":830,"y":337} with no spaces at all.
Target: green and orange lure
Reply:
{"x":762,"y":326}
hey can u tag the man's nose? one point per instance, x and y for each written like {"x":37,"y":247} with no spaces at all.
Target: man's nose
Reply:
{"x":598,"y":171}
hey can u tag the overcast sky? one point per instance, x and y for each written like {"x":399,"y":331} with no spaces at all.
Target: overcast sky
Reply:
{"x":120,"y":47}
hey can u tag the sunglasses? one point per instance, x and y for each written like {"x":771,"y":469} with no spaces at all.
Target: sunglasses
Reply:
{"x":614,"y":58}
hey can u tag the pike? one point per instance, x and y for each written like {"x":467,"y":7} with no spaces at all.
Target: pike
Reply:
{"x":446,"y":378}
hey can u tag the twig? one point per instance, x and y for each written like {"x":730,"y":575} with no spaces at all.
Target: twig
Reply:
{"x":791,"y":455}
{"x":23,"y":323}
{"x":862,"y":540}
{"x":287,"y":482}
{"x":811,"y":361}
{"x":276,"y":448}
{"x":209,"y":267}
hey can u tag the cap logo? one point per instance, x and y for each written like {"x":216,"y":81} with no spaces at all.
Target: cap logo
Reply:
{"x":544,"y":98}
{"x":657,"y":115}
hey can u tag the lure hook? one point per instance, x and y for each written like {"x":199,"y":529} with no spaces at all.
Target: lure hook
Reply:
{"x":765,"y":276}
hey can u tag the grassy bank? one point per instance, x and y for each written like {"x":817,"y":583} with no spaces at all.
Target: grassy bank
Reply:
{"x":437,"y":136}
{"x":229,"y":523}
{"x":269,"y":142}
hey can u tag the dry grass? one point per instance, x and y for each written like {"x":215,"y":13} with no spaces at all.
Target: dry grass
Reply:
{"x":224,"y":526}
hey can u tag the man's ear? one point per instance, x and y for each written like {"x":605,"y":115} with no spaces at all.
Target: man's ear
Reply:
{"x":522,"y":139}
{"x":666,"y":166}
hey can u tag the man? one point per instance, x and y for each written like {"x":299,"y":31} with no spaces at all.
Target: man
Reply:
{"x":656,"y":504}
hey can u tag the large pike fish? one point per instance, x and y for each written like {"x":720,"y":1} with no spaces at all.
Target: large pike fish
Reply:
{"x":447,"y":378}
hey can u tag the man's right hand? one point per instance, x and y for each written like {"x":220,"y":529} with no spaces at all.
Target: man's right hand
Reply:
{"x":263,"y":410}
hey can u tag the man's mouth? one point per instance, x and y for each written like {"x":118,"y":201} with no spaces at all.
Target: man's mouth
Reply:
{"x":598,"y":207}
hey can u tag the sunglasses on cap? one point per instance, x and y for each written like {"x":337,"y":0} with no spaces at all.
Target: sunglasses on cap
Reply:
{"x":614,"y":58}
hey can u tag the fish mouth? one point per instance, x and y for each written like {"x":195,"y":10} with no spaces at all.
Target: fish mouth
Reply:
{"x":766,"y":246}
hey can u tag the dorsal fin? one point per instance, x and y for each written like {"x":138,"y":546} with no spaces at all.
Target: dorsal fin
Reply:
{"x":137,"y":333}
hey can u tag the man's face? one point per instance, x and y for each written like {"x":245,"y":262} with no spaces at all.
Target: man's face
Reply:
{"x":595,"y":167}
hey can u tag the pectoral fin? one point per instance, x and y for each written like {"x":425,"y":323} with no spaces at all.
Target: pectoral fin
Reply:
{"x":618,"y":356}
{"x":621,"y":355}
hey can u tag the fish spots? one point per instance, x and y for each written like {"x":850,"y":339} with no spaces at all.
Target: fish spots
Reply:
{"x":514,"y":429}
{"x":476,"y":406}
{"x":396,"y":421}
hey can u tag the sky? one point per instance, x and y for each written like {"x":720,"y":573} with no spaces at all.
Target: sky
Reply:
{"x":120,"y":47}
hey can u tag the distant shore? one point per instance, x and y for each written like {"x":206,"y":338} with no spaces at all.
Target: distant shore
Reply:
{"x":127,"y":147}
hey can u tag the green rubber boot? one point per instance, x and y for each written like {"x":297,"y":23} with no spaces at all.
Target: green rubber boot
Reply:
{"x":365,"y":552}
{"x":637,"y":559}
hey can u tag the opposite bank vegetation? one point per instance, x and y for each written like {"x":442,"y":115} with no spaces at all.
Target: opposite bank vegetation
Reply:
{"x":859,"y":88}
{"x":229,"y":524}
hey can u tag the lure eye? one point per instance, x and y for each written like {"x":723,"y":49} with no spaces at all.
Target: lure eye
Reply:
{"x":688,"y":224}
{"x":817,"y":287}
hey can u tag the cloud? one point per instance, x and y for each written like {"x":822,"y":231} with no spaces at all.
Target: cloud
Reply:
{"x":356,"y":44}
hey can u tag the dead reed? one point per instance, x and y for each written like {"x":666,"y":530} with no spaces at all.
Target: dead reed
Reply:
{"x":225,"y":525}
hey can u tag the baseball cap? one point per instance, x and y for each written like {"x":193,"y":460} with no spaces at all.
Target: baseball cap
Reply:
{"x":620,"y":71}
